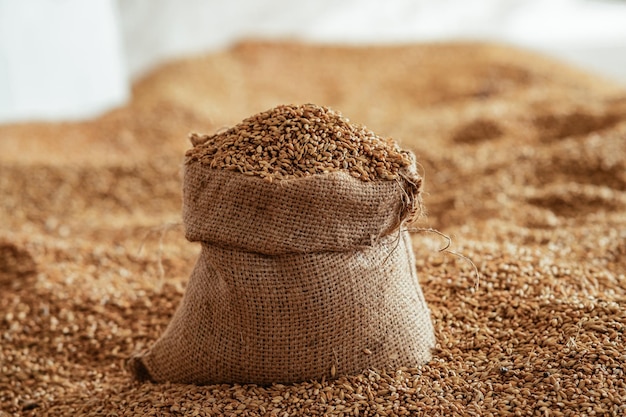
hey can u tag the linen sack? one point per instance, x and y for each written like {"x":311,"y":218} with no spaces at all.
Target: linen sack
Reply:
{"x":297,"y":279}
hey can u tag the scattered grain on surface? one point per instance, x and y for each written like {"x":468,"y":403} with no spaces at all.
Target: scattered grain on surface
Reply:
{"x":541,"y":210}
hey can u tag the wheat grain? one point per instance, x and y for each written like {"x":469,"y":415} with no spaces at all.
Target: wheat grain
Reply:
{"x":298,"y":141}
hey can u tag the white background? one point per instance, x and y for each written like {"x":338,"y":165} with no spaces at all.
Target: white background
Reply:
{"x":72,"y":59}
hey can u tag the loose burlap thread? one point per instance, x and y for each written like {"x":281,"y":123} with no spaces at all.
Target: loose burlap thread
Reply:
{"x":297,"y":279}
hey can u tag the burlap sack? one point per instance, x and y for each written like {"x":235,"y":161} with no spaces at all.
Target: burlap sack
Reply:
{"x":297,"y":279}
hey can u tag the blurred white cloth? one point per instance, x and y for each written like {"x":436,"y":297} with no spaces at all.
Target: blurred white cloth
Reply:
{"x":68,"y":59}
{"x":60,"y":59}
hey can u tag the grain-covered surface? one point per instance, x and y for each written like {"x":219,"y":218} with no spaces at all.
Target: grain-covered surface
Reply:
{"x":524,"y":163}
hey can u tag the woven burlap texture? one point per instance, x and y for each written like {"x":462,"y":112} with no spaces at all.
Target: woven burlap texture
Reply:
{"x":297,"y":279}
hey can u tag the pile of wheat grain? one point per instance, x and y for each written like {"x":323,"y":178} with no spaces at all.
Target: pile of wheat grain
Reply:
{"x":297,"y":141}
{"x":525,"y":161}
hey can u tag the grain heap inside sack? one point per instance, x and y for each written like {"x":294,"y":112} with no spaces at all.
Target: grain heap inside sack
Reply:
{"x":305,"y":270}
{"x":297,"y":141}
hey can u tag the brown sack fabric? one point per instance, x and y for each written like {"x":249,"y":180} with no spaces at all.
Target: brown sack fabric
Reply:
{"x":298,"y":279}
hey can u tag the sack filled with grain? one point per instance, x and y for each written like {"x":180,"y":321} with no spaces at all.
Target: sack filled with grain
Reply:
{"x":305,"y":270}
